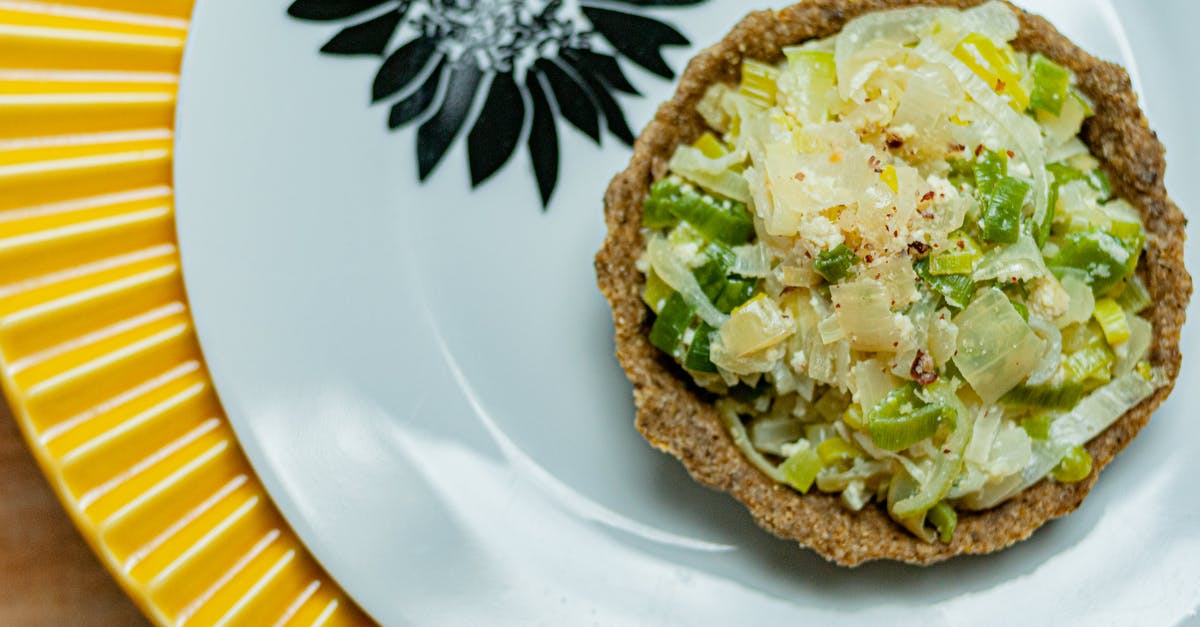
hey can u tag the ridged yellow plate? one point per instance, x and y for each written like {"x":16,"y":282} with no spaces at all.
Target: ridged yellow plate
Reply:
{"x":98,"y":355}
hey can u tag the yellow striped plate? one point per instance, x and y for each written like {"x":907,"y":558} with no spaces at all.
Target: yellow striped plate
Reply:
{"x":97,"y":351}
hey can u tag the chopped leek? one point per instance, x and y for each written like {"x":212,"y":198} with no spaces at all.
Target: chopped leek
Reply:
{"x":1093,"y":362}
{"x":1075,"y":466}
{"x":759,"y":83}
{"x":957,"y":289}
{"x":1051,"y":83}
{"x":698,"y":358}
{"x":810,"y":79}
{"x":656,"y":293}
{"x":961,"y":258}
{"x":836,"y":451}
{"x":801,"y":468}
{"x":996,"y":348}
{"x":710,"y":146}
{"x":1104,"y":259}
{"x":1100,"y":409}
{"x":945,"y":520}
{"x":1063,"y":396}
{"x":720,"y":220}
{"x":1038,"y":427}
{"x":996,"y":65}
{"x":836,"y":264}
{"x":990,"y":167}
{"x":1001,"y":220}
{"x":1112,"y":321}
{"x":902,"y":419}
{"x":672,"y":322}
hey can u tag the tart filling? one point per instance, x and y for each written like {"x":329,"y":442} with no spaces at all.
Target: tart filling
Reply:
{"x":900,"y":270}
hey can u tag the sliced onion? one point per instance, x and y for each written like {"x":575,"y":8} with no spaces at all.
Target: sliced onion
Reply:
{"x":1100,"y":409}
{"x":1022,"y":261}
{"x":1020,"y":133}
{"x":901,"y":27}
{"x":752,"y":260}
{"x":1052,"y":359}
{"x":1141,"y":335}
{"x":682,"y":280}
{"x":714,"y":175}
{"x":996,"y":348}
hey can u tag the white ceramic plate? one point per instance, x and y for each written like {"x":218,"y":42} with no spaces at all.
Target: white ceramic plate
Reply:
{"x":422,"y":374}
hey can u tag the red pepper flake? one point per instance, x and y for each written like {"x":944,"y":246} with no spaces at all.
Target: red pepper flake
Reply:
{"x":808,"y":254}
{"x":837,"y":306}
{"x":962,"y":245}
{"x":923,"y":370}
{"x":895,"y":233}
{"x":1015,"y":280}
{"x":870,"y":259}
{"x":1000,"y":85}
{"x":979,"y":150}
{"x":895,"y":344}
{"x":957,"y":148}
{"x":928,"y":196}
{"x":894,"y":142}
{"x":799,"y":176}
{"x":927,"y":214}
{"x":1011,"y":154}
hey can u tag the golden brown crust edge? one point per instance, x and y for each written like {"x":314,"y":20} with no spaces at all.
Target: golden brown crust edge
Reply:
{"x":675,"y":419}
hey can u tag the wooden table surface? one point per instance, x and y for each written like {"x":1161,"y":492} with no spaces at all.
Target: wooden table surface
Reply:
{"x":48,"y":574}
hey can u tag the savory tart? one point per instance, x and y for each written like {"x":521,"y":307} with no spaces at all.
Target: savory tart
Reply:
{"x":901,"y":276}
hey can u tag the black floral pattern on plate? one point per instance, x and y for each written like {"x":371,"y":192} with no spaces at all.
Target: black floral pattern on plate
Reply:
{"x":533,"y":61}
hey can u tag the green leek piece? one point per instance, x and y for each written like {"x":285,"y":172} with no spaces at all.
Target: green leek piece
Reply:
{"x":719,"y":220}
{"x":727,"y":292}
{"x":816,"y":72}
{"x":1094,"y":362}
{"x":836,"y":450}
{"x":853,"y":417}
{"x":961,"y":258}
{"x":1112,"y":321}
{"x":962,"y":172}
{"x":759,"y":83}
{"x":902,"y":419}
{"x":655,"y":213}
{"x":957,"y":289}
{"x":657,"y":292}
{"x":1042,"y":230}
{"x":1038,"y":427}
{"x":713,"y":272}
{"x":1097,"y":179}
{"x":737,"y":292}
{"x":1051,"y":86}
{"x":990,"y":167}
{"x":698,"y":358}
{"x":1063,"y":397}
{"x":1105,"y":259}
{"x":1022,"y":309}
{"x":836,"y":264}
{"x":672,"y":322}
{"x":943,"y":517}
{"x":800,"y":470}
{"x":1002,"y":210}
{"x":1075,"y":466}
{"x":1135,"y":298}
{"x":710,"y":146}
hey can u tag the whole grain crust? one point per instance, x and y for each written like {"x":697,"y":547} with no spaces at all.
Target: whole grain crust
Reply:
{"x":675,"y":417}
